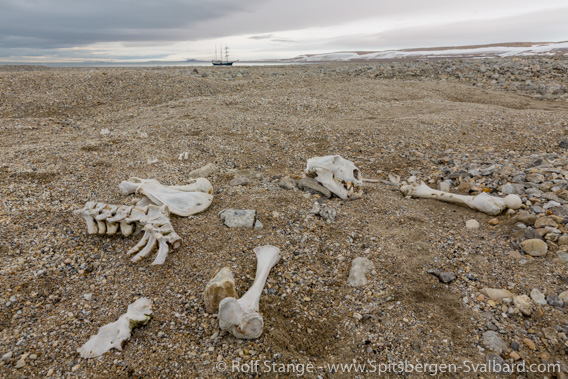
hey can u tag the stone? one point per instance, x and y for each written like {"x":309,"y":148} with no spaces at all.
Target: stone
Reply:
{"x":524,"y":304}
{"x":526,"y":218}
{"x":514,"y":355}
{"x":538,"y":297}
{"x":359,"y":268}
{"x":239,"y":181}
{"x":534,"y":247}
{"x":444,"y":276}
{"x":312,"y":186}
{"x":287,"y":183}
{"x":529,"y":343}
{"x":563,"y":256}
{"x":7,"y":356}
{"x":564,"y":297}
{"x":530,"y":233}
{"x":238,"y":218}
{"x":494,"y":221}
{"x":513,"y":189}
{"x":497,"y":365}
{"x":88,"y":296}
{"x":543,"y":222}
{"x":444,"y":186}
{"x":535,"y":178}
{"x":563,"y":240}
{"x":554,"y":301}
{"x":493,"y":341}
{"x":472,"y":224}
{"x":496,"y":293}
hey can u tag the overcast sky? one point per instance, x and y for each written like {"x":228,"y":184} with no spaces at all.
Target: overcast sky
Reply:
{"x":66,"y":30}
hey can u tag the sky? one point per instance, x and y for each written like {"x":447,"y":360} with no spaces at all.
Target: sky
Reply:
{"x":174,"y":30}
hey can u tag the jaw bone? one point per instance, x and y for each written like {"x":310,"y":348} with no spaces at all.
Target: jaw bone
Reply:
{"x":154,"y":220}
{"x":183,"y":200}
{"x":483,"y":202}
{"x":114,"y":334}
{"x":337,"y":174}
{"x":241,"y":317}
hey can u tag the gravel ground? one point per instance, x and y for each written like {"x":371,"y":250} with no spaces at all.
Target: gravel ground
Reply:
{"x":263,"y":123}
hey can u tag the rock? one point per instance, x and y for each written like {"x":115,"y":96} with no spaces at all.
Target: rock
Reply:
{"x":222,"y":285}
{"x":563,"y":240}
{"x":492,"y":341}
{"x":312,"y":186}
{"x":444,"y":186}
{"x":543,"y":222}
{"x":472,"y":224}
{"x":7,"y":356}
{"x":513,"y":189}
{"x":204,"y":171}
{"x":238,"y":218}
{"x":514,"y":355}
{"x":515,"y":345}
{"x":513,"y":202}
{"x":534,"y":247}
{"x":526,"y":218}
{"x":538,"y":297}
{"x":494,"y":221}
{"x":554,"y":301}
{"x":523,"y":304}
{"x":328,"y":214}
{"x":530,"y":233}
{"x":535,"y":178}
{"x":530,"y":344}
{"x":496,"y":364}
{"x":359,"y":268}
{"x":563,"y":144}
{"x":444,"y":276}
{"x":496,"y":293}
{"x":563,"y":256}
{"x":88,"y":296}
{"x":564,"y":297}
{"x":287,"y":183}
{"x":239,"y":181}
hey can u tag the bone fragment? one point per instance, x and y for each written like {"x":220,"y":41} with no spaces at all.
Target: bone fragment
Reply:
{"x":221,"y":286}
{"x":204,"y":171}
{"x":114,"y":335}
{"x":240,"y":317}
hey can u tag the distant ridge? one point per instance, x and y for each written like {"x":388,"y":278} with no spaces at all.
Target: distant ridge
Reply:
{"x":452,"y":52}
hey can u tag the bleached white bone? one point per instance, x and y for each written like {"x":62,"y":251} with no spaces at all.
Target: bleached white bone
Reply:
{"x":181,"y":200}
{"x":221,"y":286}
{"x":241,"y":317}
{"x":152,"y":219}
{"x":114,"y":335}
{"x":337,"y":174}
{"x":483,"y":202}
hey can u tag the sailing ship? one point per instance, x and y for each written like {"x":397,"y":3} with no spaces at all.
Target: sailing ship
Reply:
{"x":221,"y":62}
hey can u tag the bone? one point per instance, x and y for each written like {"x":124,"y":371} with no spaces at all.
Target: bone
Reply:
{"x":221,"y":286}
{"x":337,"y":174}
{"x":483,"y":202}
{"x":204,"y":171}
{"x":152,"y":219}
{"x":240,"y":317}
{"x":181,"y":200}
{"x":114,"y":335}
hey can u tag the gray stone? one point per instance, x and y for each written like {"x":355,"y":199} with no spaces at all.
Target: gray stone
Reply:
{"x":538,"y":297}
{"x":526,"y":218}
{"x":359,"y":268}
{"x":312,"y":186}
{"x":7,"y":356}
{"x":564,"y":144}
{"x":554,"y":301}
{"x":238,"y":218}
{"x":287,"y":183}
{"x":523,"y":304}
{"x":496,"y":364}
{"x":492,"y":341}
{"x":534,"y":247}
{"x":239,"y":181}
{"x":535,"y":178}
{"x":563,"y":255}
{"x":513,"y":188}
{"x":258,"y":225}
{"x":472,"y":224}
{"x":530,"y":233}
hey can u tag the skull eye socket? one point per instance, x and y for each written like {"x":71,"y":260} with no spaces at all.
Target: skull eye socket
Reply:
{"x":357,"y":174}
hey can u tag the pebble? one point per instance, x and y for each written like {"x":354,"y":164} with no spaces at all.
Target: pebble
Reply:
{"x":493,"y":341}
{"x":534,"y":247}
{"x":494,"y":221}
{"x":538,"y":297}
{"x":239,"y":181}
{"x":554,"y":301}
{"x":530,"y":344}
{"x":524,"y":304}
{"x":496,"y":293}
{"x":472,"y":224}
{"x":287,"y":183}
{"x":88,"y":296}
{"x":359,"y":268}
{"x":7,"y":356}
{"x":444,"y":276}
{"x":564,"y":297}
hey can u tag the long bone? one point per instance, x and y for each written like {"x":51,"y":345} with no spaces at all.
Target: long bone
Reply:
{"x":153,"y":220}
{"x":483,"y":202}
{"x":337,"y":174}
{"x":240,"y":317}
{"x":183,"y":200}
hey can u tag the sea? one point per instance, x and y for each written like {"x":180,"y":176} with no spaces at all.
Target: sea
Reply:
{"x":146,"y":64}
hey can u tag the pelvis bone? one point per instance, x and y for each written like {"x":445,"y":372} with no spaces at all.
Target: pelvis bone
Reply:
{"x":183,"y":200}
{"x":483,"y":202}
{"x":154,"y":220}
{"x":241,"y":317}
{"x":337,"y":174}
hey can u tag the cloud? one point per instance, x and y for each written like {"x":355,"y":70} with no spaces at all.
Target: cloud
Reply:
{"x":264,"y":36}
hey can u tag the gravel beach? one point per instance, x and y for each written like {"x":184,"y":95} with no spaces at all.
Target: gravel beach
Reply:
{"x":71,"y":135}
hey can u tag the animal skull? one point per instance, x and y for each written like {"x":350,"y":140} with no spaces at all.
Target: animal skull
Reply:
{"x":114,"y":334}
{"x":483,"y":202}
{"x":183,"y":200}
{"x":241,"y":317}
{"x":337,"y":174}
{"x":152,"y":219}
